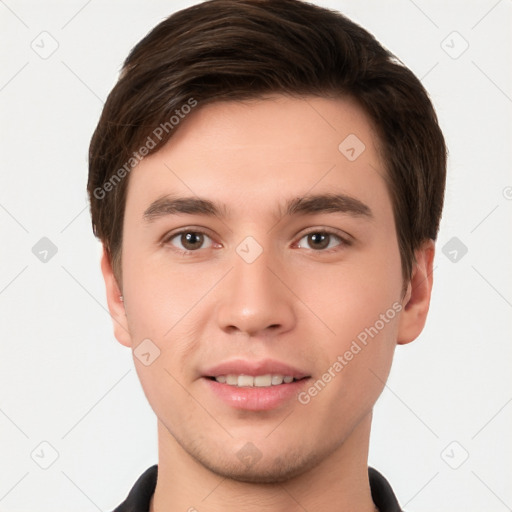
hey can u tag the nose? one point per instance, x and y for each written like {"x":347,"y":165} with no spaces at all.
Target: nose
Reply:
{"x":255,"y":299}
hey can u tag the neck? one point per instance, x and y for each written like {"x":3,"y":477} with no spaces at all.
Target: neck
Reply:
{"x":338,"y":483}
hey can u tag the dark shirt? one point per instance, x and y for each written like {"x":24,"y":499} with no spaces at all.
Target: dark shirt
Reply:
{"x":140,"y":495}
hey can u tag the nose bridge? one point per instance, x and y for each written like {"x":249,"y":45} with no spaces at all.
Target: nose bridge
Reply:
{"x":254,"y":299}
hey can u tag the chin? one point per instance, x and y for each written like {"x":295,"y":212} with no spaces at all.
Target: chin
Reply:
{"x":267,"y":470}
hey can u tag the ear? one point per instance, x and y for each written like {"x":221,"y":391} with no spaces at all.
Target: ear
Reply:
{"x":115,"y":303}
{"x":416,"y":301}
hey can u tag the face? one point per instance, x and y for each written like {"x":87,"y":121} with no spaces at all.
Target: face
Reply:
{"x":260,"y":244}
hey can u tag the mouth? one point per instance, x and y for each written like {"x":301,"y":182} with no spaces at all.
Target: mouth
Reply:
{"x":260,"y":385}
{"x":256,"y":381}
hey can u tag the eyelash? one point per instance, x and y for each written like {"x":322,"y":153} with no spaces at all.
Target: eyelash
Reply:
{"x":344,"y":241}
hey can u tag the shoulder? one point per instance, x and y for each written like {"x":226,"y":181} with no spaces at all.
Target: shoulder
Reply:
{"x":140,"y":494}
{"x":382,"y":492}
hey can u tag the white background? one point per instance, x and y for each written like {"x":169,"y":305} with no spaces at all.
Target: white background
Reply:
{"x":66,"y":381}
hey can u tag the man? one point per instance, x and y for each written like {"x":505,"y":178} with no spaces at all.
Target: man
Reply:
{"x":267,"y":182}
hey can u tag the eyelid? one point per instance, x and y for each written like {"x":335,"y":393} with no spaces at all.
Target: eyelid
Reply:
{"x":325,"y":229}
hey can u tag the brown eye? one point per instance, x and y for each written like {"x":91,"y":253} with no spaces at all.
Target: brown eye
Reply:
{"x":189,"y":240}
{"x":319,"y":240}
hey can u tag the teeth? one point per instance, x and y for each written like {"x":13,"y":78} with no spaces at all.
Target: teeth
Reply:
{"x":232,"y":380}
{"x":245,"y":380}
{"x":260,"y":381}
{"x":277,"y":379}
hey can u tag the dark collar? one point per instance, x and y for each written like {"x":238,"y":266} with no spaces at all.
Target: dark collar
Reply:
{"x":140,"y":495}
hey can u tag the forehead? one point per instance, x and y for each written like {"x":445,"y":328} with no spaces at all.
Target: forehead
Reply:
{"x":250,"y":152}
{"x":310,"y":126}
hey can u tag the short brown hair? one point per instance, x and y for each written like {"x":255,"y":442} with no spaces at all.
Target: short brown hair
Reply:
{"x":224,"y":50}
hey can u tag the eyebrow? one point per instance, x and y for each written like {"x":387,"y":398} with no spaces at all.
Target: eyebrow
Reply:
{"x":304,"y":205}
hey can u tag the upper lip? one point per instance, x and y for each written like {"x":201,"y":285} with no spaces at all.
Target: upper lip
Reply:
{"x":262,"y":367}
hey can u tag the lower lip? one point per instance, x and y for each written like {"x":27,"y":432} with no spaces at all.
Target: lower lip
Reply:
{"x":256,"y":398}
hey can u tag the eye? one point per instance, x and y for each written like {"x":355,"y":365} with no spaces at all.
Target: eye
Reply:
{"x":320,"y":240}
{"x":189,"y":240}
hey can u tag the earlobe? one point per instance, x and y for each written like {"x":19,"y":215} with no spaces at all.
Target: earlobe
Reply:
{"x":115,"y":302}
{"x":416,"y":300}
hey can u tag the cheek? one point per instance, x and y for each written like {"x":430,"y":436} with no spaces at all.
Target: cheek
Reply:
{"x":349,"y":299}
{"x":159,"y":295}
{"x":361,"y":305}
{"x":360,"y":355}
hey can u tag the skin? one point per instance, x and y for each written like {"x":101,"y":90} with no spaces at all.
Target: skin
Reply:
{"x":295,"y":303}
